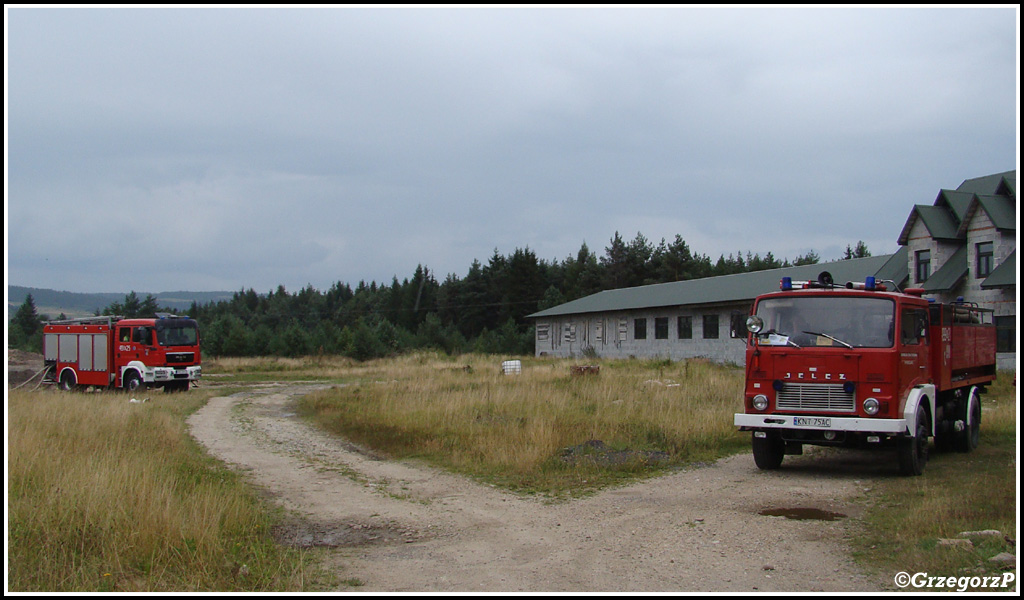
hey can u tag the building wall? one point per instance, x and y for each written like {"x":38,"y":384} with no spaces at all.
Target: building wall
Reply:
{"x":614,"y":334}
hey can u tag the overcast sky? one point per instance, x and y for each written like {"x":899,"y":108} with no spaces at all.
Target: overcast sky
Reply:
{"x":220,"y":149}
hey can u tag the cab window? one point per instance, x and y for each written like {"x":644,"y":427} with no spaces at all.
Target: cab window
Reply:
{"x":914,"y":326}
{"x":142,"y":335}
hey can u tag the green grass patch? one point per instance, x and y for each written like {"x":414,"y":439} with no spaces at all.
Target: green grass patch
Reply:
{"x":957,"y":493}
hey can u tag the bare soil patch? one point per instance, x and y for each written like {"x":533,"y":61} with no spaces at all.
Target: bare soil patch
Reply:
{"x":21,"y":366}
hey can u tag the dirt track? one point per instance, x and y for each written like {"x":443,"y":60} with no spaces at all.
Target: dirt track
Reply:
{"x":399,"y":527}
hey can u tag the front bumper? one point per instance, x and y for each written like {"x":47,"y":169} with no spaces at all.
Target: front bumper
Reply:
{"x":747,"y":422}
{"x":165,"y":374}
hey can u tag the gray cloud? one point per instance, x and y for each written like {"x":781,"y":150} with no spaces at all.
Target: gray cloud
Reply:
{"x":226,"y":148}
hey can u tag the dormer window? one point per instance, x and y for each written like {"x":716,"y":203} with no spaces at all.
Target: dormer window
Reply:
{"x":922,"y":265}
{"x":985,"y":260}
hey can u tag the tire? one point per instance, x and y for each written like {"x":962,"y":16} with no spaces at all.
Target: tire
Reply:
{"x":913,"y":451}
{"x":67,"y":381}
{"x":970,"y":411}
{"x":133,"y":382}
{"x":768,"y":451}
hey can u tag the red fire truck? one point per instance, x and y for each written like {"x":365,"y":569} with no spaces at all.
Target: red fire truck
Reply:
{"x":861,"y":366}
{"x":115,"y":352}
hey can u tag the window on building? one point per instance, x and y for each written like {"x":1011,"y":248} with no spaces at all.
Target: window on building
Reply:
{"x":711,"y":327}
{"x":1006,"y":334}
{"x":985,"y":258}
{"x":922,"y":265}
{"x":684,"y":328}
{"x":661,"y":328}
{"x":569,"y":333}
{"x":639,"y":329}
{"x":738,"y":325}
{"x":542,"y":332}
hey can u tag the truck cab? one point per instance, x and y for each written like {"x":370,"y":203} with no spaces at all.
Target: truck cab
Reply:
{"x":856,"y":365}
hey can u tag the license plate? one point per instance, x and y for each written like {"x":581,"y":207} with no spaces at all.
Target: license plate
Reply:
{"x":812,"y":422}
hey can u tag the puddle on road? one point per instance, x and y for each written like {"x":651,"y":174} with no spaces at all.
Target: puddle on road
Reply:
{"x":802,"y":514}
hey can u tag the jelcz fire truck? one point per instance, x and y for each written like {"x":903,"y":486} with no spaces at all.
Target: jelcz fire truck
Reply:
{"x":861,"y":366}
{"x":115,"y":352}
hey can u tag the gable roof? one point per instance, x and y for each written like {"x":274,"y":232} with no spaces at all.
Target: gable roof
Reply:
{"x":896,"y":269}
{"x":941,"y":223}
{"x":949,"y":274}
{"x":956,"y":201}
{"x":990,"y":185}
{"x":1003,"y":276}
{"x":741,"y":287}
{"x":1001,"y":210}
{"x":948,"y":218}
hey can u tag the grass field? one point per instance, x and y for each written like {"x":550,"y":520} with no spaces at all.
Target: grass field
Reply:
{"x":105,"y":495}
{"x":109,"y":496}
{"x":545,"y":430}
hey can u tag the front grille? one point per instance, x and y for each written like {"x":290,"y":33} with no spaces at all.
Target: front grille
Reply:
{"x":815,"y":397}
{"x":179,"y":357}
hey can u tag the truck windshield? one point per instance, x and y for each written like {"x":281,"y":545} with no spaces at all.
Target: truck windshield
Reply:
{"x":178,"y":332}
{"x":854,"y":322}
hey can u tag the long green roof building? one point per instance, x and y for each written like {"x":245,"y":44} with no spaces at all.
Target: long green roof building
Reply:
{"x":963,"y":245}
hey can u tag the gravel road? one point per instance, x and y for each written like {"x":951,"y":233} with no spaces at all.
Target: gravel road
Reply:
{"x":405,"y":527}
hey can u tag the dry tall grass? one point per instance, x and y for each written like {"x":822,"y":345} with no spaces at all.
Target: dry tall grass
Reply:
{"x":106,"y":495}
{"x":463,"y":413}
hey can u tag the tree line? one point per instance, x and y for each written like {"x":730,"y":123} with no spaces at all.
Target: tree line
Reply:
{"x":482,"y":311}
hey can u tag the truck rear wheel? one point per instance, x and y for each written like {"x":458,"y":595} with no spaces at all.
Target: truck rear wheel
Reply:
{"x":67,"y":381}
{"x":913,"y":451}
{"x":970,"y":411}
{"x":768,"y":450}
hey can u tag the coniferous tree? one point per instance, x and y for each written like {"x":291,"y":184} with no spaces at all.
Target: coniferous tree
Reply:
{"x":616,"y":264}
{"x":27,"y":318}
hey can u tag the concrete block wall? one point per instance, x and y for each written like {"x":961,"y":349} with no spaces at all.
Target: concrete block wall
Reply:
{"x":613,"y":335}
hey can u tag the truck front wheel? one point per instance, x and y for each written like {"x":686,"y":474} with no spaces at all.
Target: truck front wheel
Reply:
{"x":768,"y":450}
{"x":913,"y":451}
{"x":133,"y":382}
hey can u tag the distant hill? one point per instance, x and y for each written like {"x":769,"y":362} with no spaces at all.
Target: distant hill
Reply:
{"x":74,"y":304}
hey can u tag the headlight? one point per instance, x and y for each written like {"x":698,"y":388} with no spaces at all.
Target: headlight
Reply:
{"x":871,"y":406}
{"x":760,"y":402}
{"x":755,"y":324}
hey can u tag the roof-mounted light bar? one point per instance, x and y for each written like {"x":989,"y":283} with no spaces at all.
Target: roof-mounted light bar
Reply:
{"x":825,"y":281}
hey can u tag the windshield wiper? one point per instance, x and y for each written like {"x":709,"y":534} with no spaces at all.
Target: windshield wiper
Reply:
{"x":827,"y":336}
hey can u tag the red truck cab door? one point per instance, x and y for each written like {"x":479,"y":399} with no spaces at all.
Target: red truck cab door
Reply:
{"x":914,"y":354}
{"x":133,"y":343}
